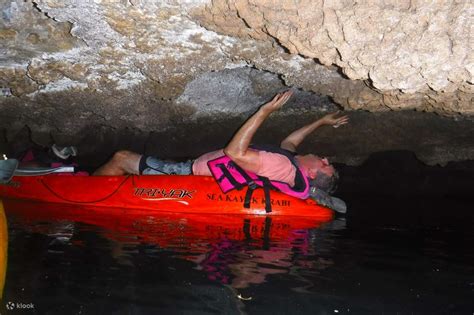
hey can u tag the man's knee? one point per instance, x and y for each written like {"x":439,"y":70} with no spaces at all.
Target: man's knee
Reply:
{"x":123,"y":156}
{"x":127,"y":161}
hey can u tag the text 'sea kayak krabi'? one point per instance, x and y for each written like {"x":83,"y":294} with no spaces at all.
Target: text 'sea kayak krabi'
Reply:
{"x":172,"y":193}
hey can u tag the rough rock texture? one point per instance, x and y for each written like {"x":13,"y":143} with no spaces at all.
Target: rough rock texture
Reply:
{"x":397,"y":54}
{"x":418,"y":54}
{"x":147,"y":66}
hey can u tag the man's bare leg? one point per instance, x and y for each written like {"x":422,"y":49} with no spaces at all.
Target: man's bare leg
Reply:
{"x":122,"y":163}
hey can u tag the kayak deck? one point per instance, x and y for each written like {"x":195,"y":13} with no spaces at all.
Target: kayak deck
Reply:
{"x":168,"y":193}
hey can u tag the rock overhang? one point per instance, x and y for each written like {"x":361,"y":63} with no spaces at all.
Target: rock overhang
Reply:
{"x":141,"y":64}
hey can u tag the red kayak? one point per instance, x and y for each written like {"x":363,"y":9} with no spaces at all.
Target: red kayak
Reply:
{"x":164,"y":193}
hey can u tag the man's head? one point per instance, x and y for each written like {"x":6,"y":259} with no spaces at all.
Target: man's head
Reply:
{"x":321,"y":174}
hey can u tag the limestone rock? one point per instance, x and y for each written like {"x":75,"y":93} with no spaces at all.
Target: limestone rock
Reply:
{"x":150,"y":65}
{"x":393,"y":55}
{"x":398,"y":47}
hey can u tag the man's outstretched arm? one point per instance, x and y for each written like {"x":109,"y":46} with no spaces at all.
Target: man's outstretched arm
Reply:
{"x":238,"y":147}
{"x":296,"y":137}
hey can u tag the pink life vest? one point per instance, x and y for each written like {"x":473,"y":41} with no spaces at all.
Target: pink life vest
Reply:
{"x":230,"y":176}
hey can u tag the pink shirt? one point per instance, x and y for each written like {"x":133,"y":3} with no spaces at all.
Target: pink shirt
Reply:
{"x":274,"y":166}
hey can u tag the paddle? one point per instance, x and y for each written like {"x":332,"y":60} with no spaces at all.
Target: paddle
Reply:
{"x":7,"y":170}
{"x":35,"y":171}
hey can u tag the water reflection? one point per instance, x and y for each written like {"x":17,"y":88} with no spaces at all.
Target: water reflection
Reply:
{"x":238,"y":251}
{"x":67,"y":260}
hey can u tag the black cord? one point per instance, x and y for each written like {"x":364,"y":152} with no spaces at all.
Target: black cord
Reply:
{"x":81,"y":202}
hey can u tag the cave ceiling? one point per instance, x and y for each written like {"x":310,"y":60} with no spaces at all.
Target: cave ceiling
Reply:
{"x":67,"y":64}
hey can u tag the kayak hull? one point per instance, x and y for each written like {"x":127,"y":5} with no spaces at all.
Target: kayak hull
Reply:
{"x":165,"y":193}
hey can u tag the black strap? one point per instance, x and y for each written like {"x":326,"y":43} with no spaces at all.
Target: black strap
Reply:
{"x":244,"y":174}
{"x":267,"y":185}
{"x":228,"y":175}
{"x":300,"y":184}
{"x":266,"y":190}
{"x":275,"y":149}
{"x":248,"y":195}
{"x":250,"y":183}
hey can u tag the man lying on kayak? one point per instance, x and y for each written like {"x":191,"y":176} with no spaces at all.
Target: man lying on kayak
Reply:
{"x":240,"y":164}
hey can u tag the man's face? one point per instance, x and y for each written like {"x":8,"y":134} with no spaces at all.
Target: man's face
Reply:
{"x":320,"y":164}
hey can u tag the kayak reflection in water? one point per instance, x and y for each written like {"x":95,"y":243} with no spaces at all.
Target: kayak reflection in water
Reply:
{"x":241,"y":164}
{"x":238,"y":251}
{"x":242,"y":264}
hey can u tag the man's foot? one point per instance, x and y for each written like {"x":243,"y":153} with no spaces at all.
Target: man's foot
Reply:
{"x":64,"y":152}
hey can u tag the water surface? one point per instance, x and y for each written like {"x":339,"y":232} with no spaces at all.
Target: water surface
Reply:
{"x":404,"y":247}
{"x":173,"y":265}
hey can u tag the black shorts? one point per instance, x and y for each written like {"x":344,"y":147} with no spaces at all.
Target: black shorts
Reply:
{"x":150,"y":165}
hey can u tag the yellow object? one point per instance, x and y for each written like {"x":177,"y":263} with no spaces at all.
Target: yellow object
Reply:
{"x":3,"y":248}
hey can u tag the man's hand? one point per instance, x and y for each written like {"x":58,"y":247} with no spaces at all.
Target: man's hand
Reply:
{"x":333,"y":120}
{"x":277,"y":102}
{"x":296,"y":137}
